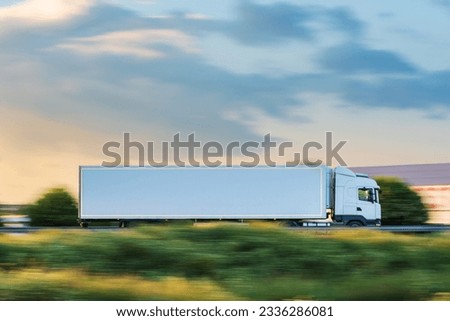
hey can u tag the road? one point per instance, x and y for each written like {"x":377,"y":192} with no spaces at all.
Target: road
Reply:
{"x":392,"y":229}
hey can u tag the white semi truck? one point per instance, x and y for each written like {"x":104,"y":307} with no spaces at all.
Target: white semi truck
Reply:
{"x":302,"y":195}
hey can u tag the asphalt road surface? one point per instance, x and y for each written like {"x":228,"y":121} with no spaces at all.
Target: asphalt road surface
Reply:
{"x":392,"y":229}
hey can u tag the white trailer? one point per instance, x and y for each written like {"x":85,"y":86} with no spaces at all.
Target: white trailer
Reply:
{"x":303,"y":195}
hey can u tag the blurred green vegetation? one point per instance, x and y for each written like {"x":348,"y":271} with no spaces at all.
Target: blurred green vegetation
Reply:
{"x":55,"y":208}
{"x":222,"y":262}
{"x":400,"y":205}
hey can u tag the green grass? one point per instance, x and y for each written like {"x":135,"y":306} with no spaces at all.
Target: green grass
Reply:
{"x":222,"y":262}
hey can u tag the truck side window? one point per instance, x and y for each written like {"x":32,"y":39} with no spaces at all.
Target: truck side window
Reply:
{"x":366,"y":194}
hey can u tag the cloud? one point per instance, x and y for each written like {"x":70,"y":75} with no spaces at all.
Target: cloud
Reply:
{"x":263,"y":25}
{"x":352,"y":57}
{"x":260,"y":122}
{"x":443,"y":3}
{"x":138,"y":43}
{"x":268,"y":23}
{"x":45,"y":11}
{"x":341,"y":18}
{"x":181,"y":87}
{"x":93,"y":78}
{"x":257,"y":24}
{"x":423,"y":91}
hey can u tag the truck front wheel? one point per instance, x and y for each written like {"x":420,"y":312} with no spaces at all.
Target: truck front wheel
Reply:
{"x":354,"y":224}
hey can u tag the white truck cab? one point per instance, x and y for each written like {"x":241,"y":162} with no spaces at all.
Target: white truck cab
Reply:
{"x":356,"y":198}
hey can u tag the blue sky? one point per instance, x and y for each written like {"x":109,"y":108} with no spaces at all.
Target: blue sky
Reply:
{"x":76,"y":74}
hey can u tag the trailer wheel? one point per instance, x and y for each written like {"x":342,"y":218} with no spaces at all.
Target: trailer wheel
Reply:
{"x":84,"y":224}
{"x":123,"y":224}
{"x":289,"y":223}
{"x":354,"y":224}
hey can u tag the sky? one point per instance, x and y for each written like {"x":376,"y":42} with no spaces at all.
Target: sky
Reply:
{"x":77,"y":74}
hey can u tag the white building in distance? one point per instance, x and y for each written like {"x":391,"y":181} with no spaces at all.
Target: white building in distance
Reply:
{"x":430,"y":181}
